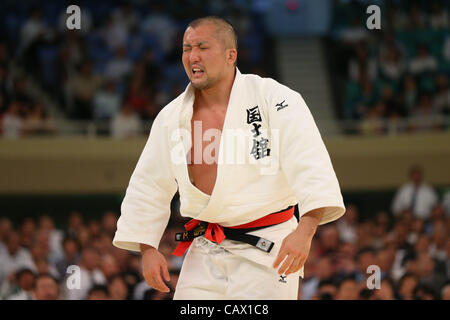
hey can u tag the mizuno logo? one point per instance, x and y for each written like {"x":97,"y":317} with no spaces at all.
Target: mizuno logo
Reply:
{"x":281,"y":105}
{"x":283,"y":279}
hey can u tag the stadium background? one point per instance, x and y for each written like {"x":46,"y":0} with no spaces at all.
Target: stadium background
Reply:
{"x":76,"y":108}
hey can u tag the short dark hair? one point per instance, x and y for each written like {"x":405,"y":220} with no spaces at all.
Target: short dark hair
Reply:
{"x":223,"y":25}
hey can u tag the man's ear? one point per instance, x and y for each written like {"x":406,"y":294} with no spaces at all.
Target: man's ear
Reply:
{"x":232,"y":56}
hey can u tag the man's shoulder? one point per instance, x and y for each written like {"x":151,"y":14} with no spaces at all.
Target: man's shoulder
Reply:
{"x":265,"y":85}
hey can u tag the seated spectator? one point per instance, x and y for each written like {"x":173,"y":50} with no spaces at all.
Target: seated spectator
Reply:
{"x":441,"y":100}
{"x":409,"y":93}
{"x":46,"y":288}
{"x":364,"y":258}
{"x":98,"y":292}
{"x":439,"y":18}
{"x":323,"y":271}
{"x":362,"y":62}
{"x":107,"y":101}
{"x":12,"y":259}
{"x":406,"y":286}
{"x":25,"y":279}
{"x":118,"y":67}
{"x":348,"y":289}
{"x":423,"y":292}
{"x":386,"y":290}
{"x":83,"y":87}
{"x":423,"y":61}
{"x":373,"y":122}
{"x":347,"y":224}
{"x":326,"y":290}
{"x":90,"y":275}
{"x":415,"y":195}
{"x":71,"y":255}
{"x":391,"y":65}
{"x":445,"y":291}
{"x":125,"y":124}
{"x":424,"y":117}
{"x":117,"y":288}
{"x":12,"y":123}
{"x":38,"y":122}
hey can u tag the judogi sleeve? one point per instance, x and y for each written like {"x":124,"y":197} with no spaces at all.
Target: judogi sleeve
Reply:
{"x":303,"y":156}
{"x":145,"y":210}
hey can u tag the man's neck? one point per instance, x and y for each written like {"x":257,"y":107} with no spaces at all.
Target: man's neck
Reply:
{"x":219,"y":94}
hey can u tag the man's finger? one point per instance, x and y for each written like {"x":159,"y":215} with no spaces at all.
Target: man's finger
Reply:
{"x":286,"y":264}
{"x":280,"y":257}
{"x":159,"y":283}
{"x":295,"y":266}
{"x":165,"y":272}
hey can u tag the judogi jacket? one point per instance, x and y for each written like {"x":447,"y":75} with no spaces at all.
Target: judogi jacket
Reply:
{"x":271,"y":156}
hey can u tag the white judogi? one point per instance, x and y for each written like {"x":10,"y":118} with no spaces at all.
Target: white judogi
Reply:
{"x":250,"y":183}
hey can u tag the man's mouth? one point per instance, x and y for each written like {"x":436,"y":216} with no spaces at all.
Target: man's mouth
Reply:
{"x":197,"y":72}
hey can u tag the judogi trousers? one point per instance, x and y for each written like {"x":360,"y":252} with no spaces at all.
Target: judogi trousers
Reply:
{"x":211,"y":272}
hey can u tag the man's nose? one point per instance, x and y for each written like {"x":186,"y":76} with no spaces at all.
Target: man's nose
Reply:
{"x":194,"y":56}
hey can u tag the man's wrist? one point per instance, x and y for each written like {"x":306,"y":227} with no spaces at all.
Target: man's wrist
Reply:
{"x":308,"y":223}
{"x":145,"y":247}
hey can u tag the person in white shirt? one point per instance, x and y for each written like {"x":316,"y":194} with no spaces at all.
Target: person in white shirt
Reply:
{"x":415,"y":195}
{"x":13,"y":259}
{"x":126,"y":123}
{"x":89,"y":273}
{"x":243,"y":151}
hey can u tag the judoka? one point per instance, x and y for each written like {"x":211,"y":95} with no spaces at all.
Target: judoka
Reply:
{"x":244,"y":240}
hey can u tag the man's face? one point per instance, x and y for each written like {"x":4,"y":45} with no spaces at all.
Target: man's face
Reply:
{"x":46,"y":289}
{"x":204,"y":56}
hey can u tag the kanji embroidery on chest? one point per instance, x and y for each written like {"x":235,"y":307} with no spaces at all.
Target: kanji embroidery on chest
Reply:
{"x":260,"y":147}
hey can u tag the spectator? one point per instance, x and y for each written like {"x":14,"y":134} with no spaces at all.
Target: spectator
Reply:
{"x":406,"y":286}
{"x":441,"y":100}
{"x":409,"y":93}
{"x":38,"y":122}
{"x":12,"y":124}
{"x":348,"y":289}
{"x":46,"y":288}
{"x":11,"y":260}
{"x":445,"y":292}
{"x":83,"y":88}
{"x":115,"y":33}
{"x":386,"y":290}
{"x":158,"y":24}
{"x":364,"y":258}
{"x":439,"y":18}
{"x":323,"y":271}
{"x":423,"y":62}
{"x":25,"y":279}
{"x":424,"y":117}
{"x":5,"y":231}
{"x":98,"y":292}
{"x":391,"y":66}
{"x":415,"y":195}
{"x":117,"y":288}
{"x":107,"y":101}
{"x":119,"y":67}
{"x":347,"y":224}
{"x":126,"y":124}
{"x":56,"y":237}
{"x":326,"y":290}
{"x":109,"y":266}
{"x":90,"y":275}
{"x":70,"y":256}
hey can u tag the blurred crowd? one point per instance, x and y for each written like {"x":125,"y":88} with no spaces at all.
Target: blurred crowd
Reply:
{"x":395,"y":79}
{"x":121,"y":67}
{"x":409,"y":243}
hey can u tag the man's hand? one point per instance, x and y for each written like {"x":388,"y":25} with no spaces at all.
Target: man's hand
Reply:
{"x":295,"y":247}
{"x":153,"y":266}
